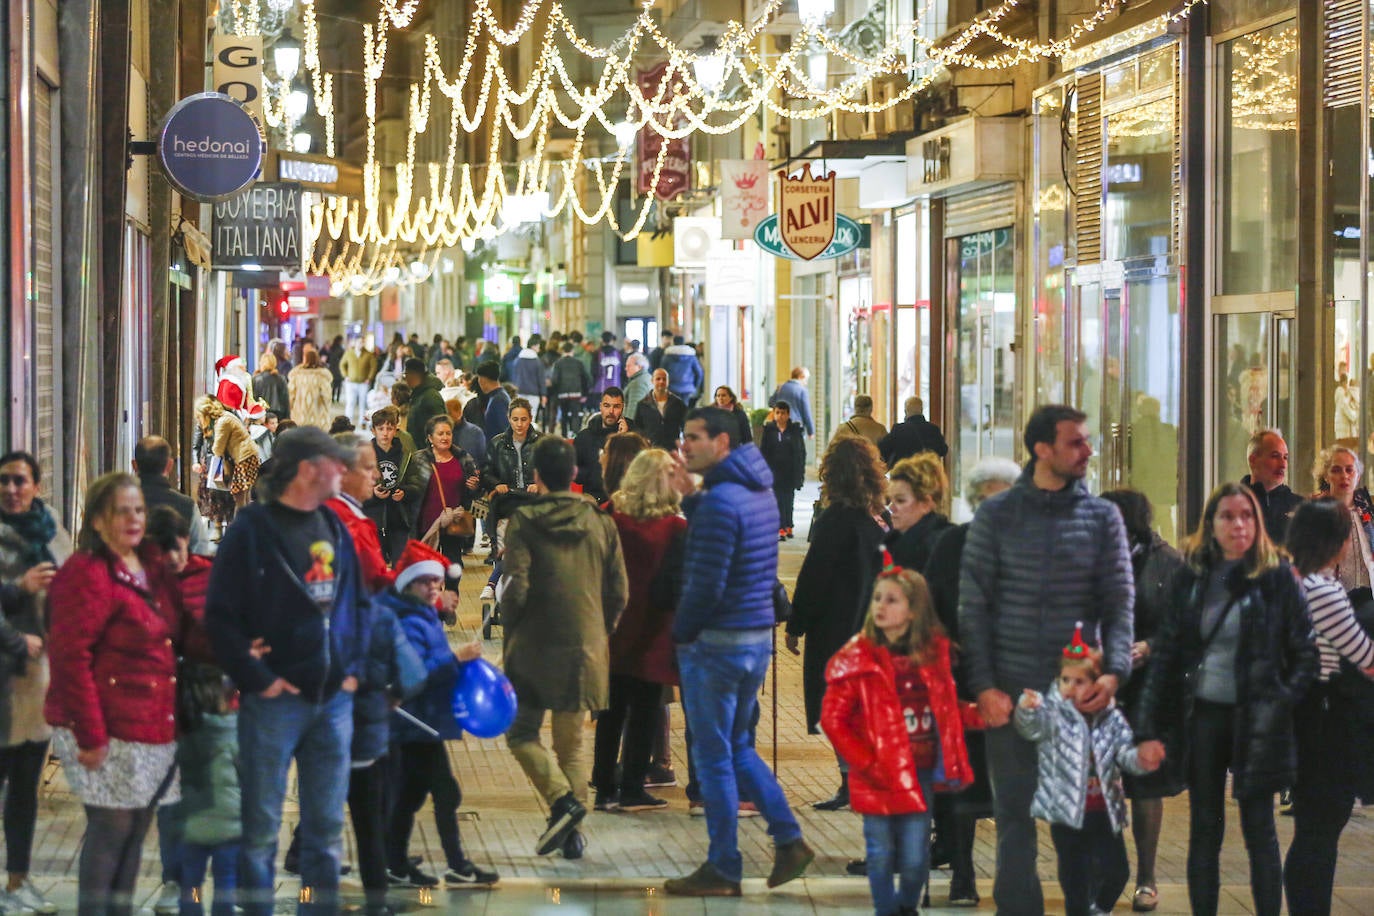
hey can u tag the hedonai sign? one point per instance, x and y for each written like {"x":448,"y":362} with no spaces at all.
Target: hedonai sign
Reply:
{"x":806,"y":226}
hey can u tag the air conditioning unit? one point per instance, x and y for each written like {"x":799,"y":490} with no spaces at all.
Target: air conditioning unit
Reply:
{"x":694,"y":237}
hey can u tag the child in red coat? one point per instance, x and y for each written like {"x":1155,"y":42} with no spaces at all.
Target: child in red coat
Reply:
{"x":892,"y":713}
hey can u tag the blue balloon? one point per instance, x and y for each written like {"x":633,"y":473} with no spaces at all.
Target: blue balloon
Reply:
{"x":483,"y":700}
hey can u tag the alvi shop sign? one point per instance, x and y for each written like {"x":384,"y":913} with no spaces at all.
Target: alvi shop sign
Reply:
{"x":848,"y":236}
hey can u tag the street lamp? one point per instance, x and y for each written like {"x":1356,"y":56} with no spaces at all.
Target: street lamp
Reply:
{"x":709,"y":64}
{"x":297,"y":102}
{"x":813,"y":12}
{"x":302,"y":140}
{"x":625,"y":133}
{"x":286,"y":56}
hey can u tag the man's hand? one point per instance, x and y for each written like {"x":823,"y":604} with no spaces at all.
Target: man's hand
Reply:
{"x":37,"y":578}
{"x":794,"y":644}
{"x":381,"y":493}
{"x":1150,"y":754}
{"x":501,"y":489}
{"x":473,"y":482}
{"x":1099,"y":694}
{"x":623,"y":426}
{"x":532,"y":488}
{"x":681,"y":477}
{"x":448,"y":600}
{"x":258,"y":648}
{"x":92,"y":758}
{"x":1030,"y":699}
{"x":470,"y":651}
{"x":33,"y":645}
{"x":995,"y":707}
{"x":397,"y":495}
{"x":349,"y":685}
{"x":1140,"y":652}
{"x":277,"y":688}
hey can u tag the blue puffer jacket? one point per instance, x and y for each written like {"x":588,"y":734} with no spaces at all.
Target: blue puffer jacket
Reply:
{"x":732,"y":549}
{"x":433,"y":705}
{"x":1037,"y":561}
{"x":393,"y":671}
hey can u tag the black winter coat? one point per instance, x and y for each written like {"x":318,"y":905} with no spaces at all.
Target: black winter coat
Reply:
{"x":663,"y":430}
{"x":271,"y":387}
{"x":912,"y":435}
{"x":1278,"y":506}
{"x":1276,"y":663}
{"x":588,"y":445}
{"x":503,"y":460}
{"x":785,"y":452}
{"x":832,"y":593}
{"x":911,"y":549}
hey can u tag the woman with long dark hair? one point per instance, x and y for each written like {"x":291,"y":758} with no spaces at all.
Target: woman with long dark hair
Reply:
{"x":843,"y":560}
{"x":1233,"y":657}
{"x":1320,"y":536}
{"x":117,"y":621}
{"x":726,"y":400}
{"x":1155,"y":564}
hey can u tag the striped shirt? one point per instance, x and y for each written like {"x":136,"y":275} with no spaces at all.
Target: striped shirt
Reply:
{"x":1338,"y":632}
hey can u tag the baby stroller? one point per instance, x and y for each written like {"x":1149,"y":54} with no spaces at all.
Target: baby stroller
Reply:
{"x":496,"y":518}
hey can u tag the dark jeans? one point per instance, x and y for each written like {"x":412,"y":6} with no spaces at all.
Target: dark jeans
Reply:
{"x":784,"y":494}
{"x":1322,"y":799}
{"x":110,"y":857}
{"x":1213,"y":737}
{"x":20,"y":768}
{"x":422,"y":770}
{"x":1093,"y":869}
{"x":370,"y":807}
{"x":1014,"y":771}
{"x":225,"y":859}
{"x":634,"y":709}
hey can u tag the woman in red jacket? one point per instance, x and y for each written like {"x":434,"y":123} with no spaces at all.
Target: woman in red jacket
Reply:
{"x":652,"y":535}
{"x":116,"y":623}
{"x":891,"y":712}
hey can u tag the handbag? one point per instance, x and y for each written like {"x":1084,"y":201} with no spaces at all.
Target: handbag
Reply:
{"x":464,"y":525}
{"x":220,"y":473}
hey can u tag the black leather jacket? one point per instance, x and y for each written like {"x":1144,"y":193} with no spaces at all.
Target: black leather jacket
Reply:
{"x":1276,"y":663}
{"x":504,"y":460}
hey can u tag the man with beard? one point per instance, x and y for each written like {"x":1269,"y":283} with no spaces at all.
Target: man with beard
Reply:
{"x":592,"y":439}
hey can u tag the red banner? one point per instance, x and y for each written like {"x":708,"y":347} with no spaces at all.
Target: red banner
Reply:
{"x":676,"y":174}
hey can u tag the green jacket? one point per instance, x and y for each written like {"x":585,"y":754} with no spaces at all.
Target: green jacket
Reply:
{"x":565,"y":588}
{"x":358,"y":365}
{"x":210,"y":799}
{"x":426,"y":402}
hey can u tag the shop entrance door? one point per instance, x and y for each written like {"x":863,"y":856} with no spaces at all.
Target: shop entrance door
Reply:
{"x":982,"y":286}
{"x":1124,"y":322}
{"x":1252,"y":378}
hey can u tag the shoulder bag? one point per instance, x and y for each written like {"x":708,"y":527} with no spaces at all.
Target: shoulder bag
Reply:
{"x":463,"y":524}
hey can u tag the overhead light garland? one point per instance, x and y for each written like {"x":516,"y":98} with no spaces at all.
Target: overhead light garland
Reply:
{"x":447,"y":209}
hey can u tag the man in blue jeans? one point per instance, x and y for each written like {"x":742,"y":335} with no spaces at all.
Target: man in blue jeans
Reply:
{"x":724,"y":632}
{"x":288,"y":618}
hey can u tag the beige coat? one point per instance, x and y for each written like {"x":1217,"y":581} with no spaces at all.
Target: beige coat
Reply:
{"x":867,"y":427}
{"x":565,"y":588}
{"x":312,"y":396}
{"x":232,"y":441}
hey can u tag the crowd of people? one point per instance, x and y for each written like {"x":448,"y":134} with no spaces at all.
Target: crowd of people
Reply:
{"x":1054,"y":659}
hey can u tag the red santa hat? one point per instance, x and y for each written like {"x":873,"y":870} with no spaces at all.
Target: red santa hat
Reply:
{"x":422,"y":560}
{"x":1077,"y":649}
{"x":223,"y":363}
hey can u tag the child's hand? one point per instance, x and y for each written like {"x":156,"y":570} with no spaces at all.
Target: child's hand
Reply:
{"x":1150,"y":754}
{"x":1030,"y":699}
{"x":472,"y":650}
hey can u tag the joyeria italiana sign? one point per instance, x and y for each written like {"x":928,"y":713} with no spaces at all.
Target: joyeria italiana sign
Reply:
{"x":210,"y":147}
{"x":259,"y":229}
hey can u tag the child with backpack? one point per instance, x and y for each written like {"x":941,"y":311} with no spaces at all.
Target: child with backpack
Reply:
{"x":1079,"y":791}
{"x":892,"y":713}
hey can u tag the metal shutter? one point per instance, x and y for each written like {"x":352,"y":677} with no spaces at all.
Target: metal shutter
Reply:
{"x":1087,"y":175}
{"x":45,"y":369}
{"x":994,"y":208}
{"x":1343,"y":52}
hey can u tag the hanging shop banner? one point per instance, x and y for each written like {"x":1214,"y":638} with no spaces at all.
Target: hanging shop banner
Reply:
{"x":260,"y":228}
{"x":210,"y":147}
{"x":676,"y":174}
{"x":743,"y":196}
{"x":237,"y":70}
{"x":806,"y":212}
{"x":848,"y":236}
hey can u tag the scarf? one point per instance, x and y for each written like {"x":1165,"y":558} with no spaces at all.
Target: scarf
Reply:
{"x":36,"y":529}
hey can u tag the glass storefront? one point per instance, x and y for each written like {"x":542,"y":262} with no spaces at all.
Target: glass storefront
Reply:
{"x":983,"y":288}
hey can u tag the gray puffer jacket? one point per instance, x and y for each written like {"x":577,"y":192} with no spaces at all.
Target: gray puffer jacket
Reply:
{"x":1037,"y":561}
{"x":1073,"y":748}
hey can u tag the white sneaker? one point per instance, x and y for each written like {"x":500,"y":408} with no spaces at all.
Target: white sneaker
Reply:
{"x":168,"y":901}
{"x":28,"y":895}
{"x":488,"y":593}
{"x":11,"y":905}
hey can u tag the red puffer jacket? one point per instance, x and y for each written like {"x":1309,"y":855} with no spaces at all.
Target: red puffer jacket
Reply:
{"x":112,"y":646}
{"x":863,"y":718}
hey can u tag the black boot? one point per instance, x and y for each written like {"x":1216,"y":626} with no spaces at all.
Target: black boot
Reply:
{"x":840,"y":800}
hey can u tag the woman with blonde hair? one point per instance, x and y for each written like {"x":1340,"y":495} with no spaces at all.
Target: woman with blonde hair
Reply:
{"x":1339,"y":471}
{"x":917,"y":491}
{"x":652,"y":535}
{"x":836,"y":578}
{"x":311,"y":388}
{"x":271,"y":387}
{"x":1233,"y":656}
